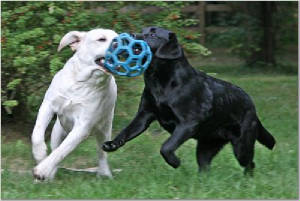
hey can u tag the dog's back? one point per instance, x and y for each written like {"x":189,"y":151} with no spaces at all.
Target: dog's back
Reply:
{"x":231,"y":102}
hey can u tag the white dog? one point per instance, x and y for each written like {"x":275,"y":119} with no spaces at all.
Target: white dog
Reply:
{"x":83,"y":96}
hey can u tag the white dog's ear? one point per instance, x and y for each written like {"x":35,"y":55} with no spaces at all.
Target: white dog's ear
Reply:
{"x":73,"y":38}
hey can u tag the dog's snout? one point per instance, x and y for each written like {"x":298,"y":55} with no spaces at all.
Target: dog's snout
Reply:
{"x":137,"y":36}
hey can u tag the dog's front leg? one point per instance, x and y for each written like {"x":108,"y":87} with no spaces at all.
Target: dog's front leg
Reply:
{"x":44,"y":169}
{"x":181,"y":133}
{"x":141,"y":122}
{"x":57,"y":135}
{"x":104,"y":134}
{"x":39,"y":148}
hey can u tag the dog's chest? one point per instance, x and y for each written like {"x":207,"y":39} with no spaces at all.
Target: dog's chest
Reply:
{"x":163,"y":111}
{"x":95,"y":110}
{"x":68,"y":85}
{"x":166,"y":117}
{"x":79,"y":101}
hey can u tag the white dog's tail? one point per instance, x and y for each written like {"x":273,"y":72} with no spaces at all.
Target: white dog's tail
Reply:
{"x":39,"y":148}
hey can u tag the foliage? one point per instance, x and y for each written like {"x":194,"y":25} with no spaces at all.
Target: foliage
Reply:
{"x":243,"y":30}
{"x":31,"y":32}
{"x":171,"y":17}
{"x":241,"y":40}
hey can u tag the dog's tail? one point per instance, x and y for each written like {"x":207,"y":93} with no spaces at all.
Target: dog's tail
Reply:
{"x":264,"y":137}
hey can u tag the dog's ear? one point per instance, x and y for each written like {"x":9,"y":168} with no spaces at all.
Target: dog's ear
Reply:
{"x":73,"y":38}
{"x":171,"y":49}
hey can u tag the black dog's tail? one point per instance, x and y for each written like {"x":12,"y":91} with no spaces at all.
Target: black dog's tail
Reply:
{"x":264,"y":137}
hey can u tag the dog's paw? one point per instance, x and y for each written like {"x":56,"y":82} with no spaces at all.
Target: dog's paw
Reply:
{"x":111,"y":146}
{"x":170,"y":157}
{"x":104,"y":174}
{"x":175,"y":163}
{"x":204,"y":168}
{"x":43,"y":174}
{"x":249,"y":169}
{"x":104,"y":171}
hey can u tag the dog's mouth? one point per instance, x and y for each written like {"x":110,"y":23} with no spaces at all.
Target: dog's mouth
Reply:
{"x":100,"y":62}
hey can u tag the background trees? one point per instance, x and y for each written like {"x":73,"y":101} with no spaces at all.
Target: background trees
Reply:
{"x":258,"y":32}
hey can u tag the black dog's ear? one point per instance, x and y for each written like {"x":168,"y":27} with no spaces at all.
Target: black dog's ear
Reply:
{"x":170,"y":50}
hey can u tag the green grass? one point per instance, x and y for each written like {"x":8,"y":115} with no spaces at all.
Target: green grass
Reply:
{"x":144,"y":173}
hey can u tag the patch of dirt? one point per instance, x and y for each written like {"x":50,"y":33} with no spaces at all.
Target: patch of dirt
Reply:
{"x":15,"y":131}
{"x":16,"y":165}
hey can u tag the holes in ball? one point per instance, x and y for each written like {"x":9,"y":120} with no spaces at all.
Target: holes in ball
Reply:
{"x":132,"y":64}
{"x":122,"y":55}
{"x":144,"y":60}
{"x":110,"y":61}
{"x":125,"y":41}
{"x":114,"y":44}
{"x":137,"y":48}
{"x":134,"y":72}
{"x":121,"y":69}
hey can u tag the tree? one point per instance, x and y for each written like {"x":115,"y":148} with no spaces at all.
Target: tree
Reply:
{"x":259,"y":31}
{"x":267,"y":45}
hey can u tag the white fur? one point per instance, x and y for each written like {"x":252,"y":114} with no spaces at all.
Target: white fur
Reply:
{"x":83,"y":98}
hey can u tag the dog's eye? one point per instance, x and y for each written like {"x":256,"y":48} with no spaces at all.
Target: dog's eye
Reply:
{"x":153,"y":35}
{"x":102,"y":39}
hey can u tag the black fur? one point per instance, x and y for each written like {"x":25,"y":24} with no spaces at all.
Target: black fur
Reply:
{"x":191,"y":104}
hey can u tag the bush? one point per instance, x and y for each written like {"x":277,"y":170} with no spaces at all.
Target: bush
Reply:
{"x":31,"y":32}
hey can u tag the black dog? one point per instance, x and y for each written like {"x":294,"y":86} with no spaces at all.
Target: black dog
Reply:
{"x":190,"y":104}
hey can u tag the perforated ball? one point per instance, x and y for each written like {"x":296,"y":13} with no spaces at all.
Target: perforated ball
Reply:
{"x":127,"y":56}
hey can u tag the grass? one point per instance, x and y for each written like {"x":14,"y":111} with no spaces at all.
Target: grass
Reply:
{"x":145,"y":175}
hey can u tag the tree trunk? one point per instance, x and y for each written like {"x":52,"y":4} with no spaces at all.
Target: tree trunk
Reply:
{"x":268,"y":43}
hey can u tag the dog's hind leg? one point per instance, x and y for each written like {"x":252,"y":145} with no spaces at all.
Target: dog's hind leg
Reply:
{"x":103,"y":167}
{"x":178,"y":137}
{"x":205,"y":152}
{"x":39,"y":148}
{"x":243,"y":146}
{"x":57,"y":135}
{"x":102,"y":135}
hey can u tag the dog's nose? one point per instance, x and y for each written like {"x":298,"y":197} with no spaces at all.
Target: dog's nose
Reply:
{"x":137,"y":36}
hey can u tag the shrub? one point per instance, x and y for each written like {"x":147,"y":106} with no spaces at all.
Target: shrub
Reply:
{"x":31,"y":32}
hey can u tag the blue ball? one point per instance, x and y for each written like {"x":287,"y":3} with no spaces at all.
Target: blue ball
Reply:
{"x":127,"y":56}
